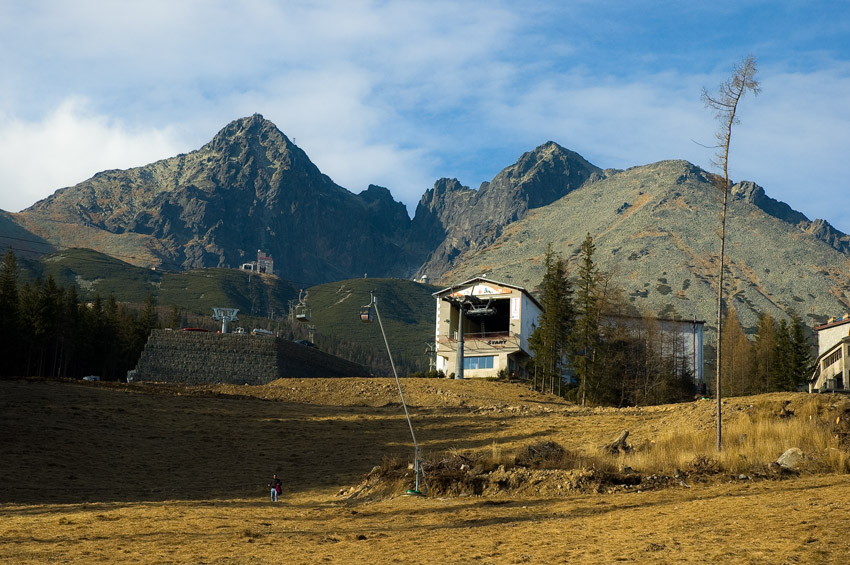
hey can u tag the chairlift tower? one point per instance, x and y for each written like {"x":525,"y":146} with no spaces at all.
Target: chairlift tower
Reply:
{"x":368,"y":314}
{"x":224,"y":315}
{"x":431,"y":352}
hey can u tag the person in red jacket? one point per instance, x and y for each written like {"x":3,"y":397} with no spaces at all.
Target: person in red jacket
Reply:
{"x":275,"y":485}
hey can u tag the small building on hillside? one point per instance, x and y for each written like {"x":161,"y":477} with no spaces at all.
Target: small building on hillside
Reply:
{"x":498,"y":320}
{"x":831,"y":370}
{"x":263,"y":264}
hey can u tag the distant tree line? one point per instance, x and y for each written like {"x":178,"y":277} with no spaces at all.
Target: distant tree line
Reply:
{"x":47,"y":331}
{"x":589,"y":346}
{"x":777,"y":358}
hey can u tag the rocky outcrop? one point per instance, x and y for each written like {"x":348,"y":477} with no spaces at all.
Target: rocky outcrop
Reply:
{"x":459,"y":220}
{"x":748,"y":191}
{"x":822,"y":230}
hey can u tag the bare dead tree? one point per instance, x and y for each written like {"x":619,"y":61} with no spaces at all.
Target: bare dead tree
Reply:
{"x":725,"y":105}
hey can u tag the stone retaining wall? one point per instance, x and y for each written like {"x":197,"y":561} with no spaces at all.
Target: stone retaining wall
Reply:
{"x":208,"y":358}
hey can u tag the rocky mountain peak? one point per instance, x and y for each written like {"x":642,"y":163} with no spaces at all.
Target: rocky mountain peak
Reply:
{"x":752,"y":193}
{"x":462,"y":220}
{"x":253,"y":127}
{"x":824,"y":231}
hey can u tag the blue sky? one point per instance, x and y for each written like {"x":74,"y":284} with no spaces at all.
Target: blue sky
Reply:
{"x":402,"y":93}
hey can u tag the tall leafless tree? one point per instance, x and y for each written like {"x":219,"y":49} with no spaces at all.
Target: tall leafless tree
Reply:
{"x":725,"y":105}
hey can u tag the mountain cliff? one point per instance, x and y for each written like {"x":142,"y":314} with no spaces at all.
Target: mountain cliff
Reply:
{"x":249,"y":188}
{"x":456,"y":220}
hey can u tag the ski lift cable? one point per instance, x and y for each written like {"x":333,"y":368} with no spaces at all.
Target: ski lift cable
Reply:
{"x":417,"y":460}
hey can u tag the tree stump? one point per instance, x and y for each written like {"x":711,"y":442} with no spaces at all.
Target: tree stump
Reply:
{"x":618,"y":445}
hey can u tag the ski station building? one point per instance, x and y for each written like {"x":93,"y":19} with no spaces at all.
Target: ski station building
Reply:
{"x":498,"y":319}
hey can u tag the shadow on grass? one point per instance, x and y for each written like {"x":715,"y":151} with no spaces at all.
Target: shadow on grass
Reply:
{"x":68,"y":443}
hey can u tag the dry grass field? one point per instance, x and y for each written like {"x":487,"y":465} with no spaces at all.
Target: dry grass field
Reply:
{"x":105,"y":473}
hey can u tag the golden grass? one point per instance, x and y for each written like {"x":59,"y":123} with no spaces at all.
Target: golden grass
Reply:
{"x":751,"y":442}
{"x":103,"y":474}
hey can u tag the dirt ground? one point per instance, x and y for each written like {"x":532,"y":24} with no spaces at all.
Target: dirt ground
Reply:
{"x":102,"y":472}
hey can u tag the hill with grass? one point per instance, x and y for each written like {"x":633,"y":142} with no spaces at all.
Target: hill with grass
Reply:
{"x":194,"y":291}
{"x":406,"y":309}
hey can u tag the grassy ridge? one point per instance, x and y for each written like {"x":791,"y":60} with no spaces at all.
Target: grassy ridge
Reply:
{"x":195,"y":291}
{"x":406,"y":309}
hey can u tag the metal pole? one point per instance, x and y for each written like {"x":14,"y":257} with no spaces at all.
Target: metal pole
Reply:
{"x":459,"y":360}
{"x":417,"y":461}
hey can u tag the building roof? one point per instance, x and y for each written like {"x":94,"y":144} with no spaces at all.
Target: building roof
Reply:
{"x":479,"y":280}
{"x":845,"y":319}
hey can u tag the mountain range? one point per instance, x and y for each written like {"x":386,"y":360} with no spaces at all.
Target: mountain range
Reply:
{"x":250,"y":188}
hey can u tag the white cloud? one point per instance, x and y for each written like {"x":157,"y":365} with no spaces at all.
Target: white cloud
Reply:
{"x":68,"y":146}
{"x":402,"y":93}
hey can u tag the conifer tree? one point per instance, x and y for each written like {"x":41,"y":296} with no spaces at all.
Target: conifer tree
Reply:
{"x":549,"y":340}
{"x":736,"y":355}
{"x":783,"y":377}
{"x":764,"y":356}
{"x":801,"y":353}
{"x":585,"y":335}
{"x":725,"y":105}
{"x":10,"y":342}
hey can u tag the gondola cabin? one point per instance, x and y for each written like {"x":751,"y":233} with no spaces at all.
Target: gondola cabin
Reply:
{"x":366,"y":314}
{"x":302,"y":313}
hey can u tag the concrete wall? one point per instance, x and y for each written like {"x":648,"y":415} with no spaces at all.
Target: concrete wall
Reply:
{"x":209,"y":358}
{"x":830,"y":334}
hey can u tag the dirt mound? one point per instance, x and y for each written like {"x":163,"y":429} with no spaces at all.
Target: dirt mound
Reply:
{"x":475,"y":474}
{"x":418,"y":392}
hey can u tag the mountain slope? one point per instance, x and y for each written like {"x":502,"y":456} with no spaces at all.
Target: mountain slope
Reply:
{"x":249,"y":188}
{"x":406,"y":308}
{"x":195,"y":291}
{"x":655,"y":231}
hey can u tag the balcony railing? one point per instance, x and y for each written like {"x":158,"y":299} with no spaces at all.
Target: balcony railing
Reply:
{"x":479,"y":335}
{"x":482,"y":340}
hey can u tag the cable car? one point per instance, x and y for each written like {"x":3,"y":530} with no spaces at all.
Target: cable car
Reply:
{"x":366,"y":315}
{"x":478,"y":307}
{"x":302,"y":312}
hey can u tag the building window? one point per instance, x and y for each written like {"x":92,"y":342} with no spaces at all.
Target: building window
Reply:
{"x":478,"y":362}
{"x":832,"y":358}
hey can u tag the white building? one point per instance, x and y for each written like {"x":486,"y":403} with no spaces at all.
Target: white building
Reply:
{"x":263,"y":264}
{"x":831,"y":371}
{"x":498,"y":321}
